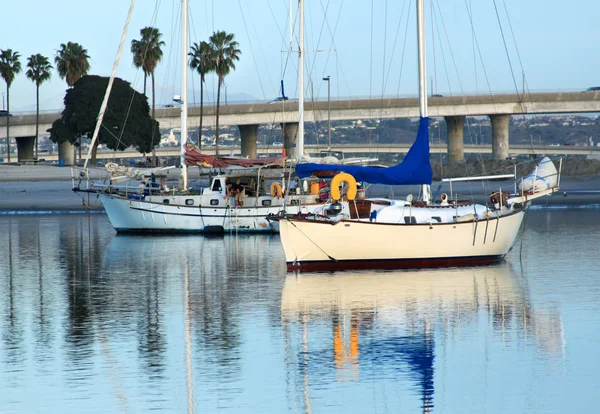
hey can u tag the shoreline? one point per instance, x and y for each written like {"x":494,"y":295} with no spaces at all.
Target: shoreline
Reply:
{"x":38,"y":189}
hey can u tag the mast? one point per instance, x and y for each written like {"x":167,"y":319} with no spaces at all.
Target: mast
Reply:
{"x":300,"y":138}
{"x":422,"y":67}
{"x":184,"y":100}
{"x":425,"y":188}
{"x":108,"y":88}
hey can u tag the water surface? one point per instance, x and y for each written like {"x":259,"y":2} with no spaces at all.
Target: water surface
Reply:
{"x":94,"y":322}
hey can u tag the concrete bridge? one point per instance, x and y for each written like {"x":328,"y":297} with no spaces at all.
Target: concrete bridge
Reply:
{"x":453,"y":108}
{"x":352,"y":149}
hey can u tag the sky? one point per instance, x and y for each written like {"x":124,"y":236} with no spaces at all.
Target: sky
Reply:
{"x":368,"y":47}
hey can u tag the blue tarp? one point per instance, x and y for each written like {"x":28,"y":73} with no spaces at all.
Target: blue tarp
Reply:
{"x":414,"y":169}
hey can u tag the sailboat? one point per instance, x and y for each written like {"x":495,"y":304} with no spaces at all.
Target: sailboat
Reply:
{"x":382,"y":233}
{"x":153,"y":207}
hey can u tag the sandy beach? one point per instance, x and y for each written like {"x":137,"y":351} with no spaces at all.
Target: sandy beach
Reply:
{"x":37,"y":188}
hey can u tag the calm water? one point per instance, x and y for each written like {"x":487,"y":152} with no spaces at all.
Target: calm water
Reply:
{"x":94,"y":322}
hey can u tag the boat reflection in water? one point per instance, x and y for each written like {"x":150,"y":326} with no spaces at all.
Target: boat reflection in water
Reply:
{"x":397,"y":327}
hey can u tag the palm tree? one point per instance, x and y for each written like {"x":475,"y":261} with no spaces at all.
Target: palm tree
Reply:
{"x":224,"y":54}
{"x":138,"y":49}
{"x":147,"y":53}
{"x":38,"y":72}
{"x":9,"y":67}
{"x":201,"y":60}
{"x":72,"y":62}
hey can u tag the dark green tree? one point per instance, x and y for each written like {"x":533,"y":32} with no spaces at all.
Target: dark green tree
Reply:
{"x":201,"y":61}
{"x":10,"y":65}
{"x":224,"y":54}
{"x":38,"y":72}
{"x":126,"y":122}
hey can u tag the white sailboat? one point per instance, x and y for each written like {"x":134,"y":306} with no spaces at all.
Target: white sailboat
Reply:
{"x":381,"y":233}
{"x":152,"y":207}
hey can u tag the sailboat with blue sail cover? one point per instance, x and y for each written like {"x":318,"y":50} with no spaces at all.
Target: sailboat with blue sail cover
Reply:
{"x":353,"y":233}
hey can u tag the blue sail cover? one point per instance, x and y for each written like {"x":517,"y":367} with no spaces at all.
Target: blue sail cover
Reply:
{"x":414,"y":169}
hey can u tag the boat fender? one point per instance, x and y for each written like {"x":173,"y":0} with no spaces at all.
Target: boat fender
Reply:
{"x":276,"y":190}
{"x":335,"y":186}
{"x":465,"y":218}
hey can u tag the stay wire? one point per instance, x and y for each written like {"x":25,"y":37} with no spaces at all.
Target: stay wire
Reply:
{"x":252,"y":51}
{"x":387,"y":77}
{"x":506,"y":48}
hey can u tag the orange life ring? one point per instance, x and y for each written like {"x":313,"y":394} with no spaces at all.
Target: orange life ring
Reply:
{"x":276,"y":190}
{"x":335,"y":186}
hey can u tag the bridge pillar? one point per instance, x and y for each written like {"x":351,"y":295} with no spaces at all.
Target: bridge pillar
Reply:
{"x":248,"y":135}
{"x":66,"y":152}
{"x":25,"y":148}
{"x":455,"y":126}
{"x":290,"y":137}
{"x":500,"y":136}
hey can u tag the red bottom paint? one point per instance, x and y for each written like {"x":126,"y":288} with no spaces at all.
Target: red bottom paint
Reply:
{"x":331,"y":265}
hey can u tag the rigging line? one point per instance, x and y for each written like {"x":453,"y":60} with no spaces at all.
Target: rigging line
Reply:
{"x":385,"y":21}
{"x":333,"y":47}
{"x":446,"y":72}
{"x":291,"y":22}
{"x":193,"y":26}
{"x":387,"y":77}
{"x":260,"y":49}
{"x":206,"y":18}
{"x":433,"y":26}
{"x":275,"y":19}
{"x":518,"y":53}
{"x":512,"y":72}
{"x":371,"y":58}
{"x":469,"y":13}
{"x":325,"y":21}
{"x":403,"y":49}
{"x":443,"y":24}
{"x":252,"y":51}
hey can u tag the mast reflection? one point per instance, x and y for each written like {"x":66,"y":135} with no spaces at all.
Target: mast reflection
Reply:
{"x":391,"y":324}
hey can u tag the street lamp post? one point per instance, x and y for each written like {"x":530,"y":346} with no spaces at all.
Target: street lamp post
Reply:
{"x":328,"y":79}
{"x":3,"y":107}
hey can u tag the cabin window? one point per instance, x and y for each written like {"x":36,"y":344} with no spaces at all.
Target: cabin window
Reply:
{"x":189,"y":202}
{"x":436,"y":218}
{"x":266,"y":203}
{"x":410,"y":220}
{"x":294,"y":202}
{"x":166,"y":201}
{"x":216,"y":186}
{"x":214,"y":202}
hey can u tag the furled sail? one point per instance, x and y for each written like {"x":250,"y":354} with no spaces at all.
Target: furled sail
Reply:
{"x":414,"y":169}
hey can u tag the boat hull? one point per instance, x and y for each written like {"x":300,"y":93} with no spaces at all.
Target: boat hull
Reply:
{"x":312,"y":245}
{"x":138,"y":216}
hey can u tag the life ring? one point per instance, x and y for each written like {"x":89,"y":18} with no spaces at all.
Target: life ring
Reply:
{"x":335,"y":186}
{"x":276,"y":190}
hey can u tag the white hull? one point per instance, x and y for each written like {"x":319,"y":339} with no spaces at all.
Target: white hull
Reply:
{"x":326,"y":245}
{"x":138,"y":216}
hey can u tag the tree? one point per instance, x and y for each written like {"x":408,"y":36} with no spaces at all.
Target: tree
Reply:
{"x":9,"y":67}
{"x":147,"y":52}
{"x":201,"y":61}
{"x":38,"y":72}
{"x":72,"y":62}
{"x":224,"y":54}
{"x":118,"y":132}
